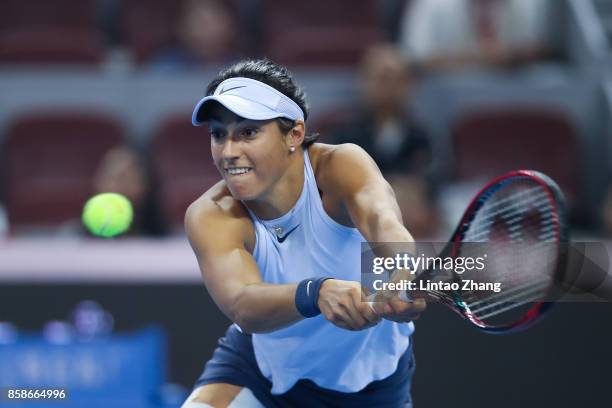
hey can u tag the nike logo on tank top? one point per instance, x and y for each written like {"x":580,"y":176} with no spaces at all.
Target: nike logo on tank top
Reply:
{"x":305,"y":242}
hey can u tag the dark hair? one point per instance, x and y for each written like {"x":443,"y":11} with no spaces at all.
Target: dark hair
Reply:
{"x":278,"y":77}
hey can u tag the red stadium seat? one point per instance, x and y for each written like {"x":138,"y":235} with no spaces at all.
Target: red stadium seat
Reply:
{"x":51,"y":45}
{"x":49,"y":161}
{"x":183,"y":165}
{"x":320,"y":32}
{"x":490,"y":142}
{"x":59,"y":31}
{"x":44,"y":13}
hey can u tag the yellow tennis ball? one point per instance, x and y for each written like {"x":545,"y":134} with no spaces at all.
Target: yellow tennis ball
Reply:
{"x":108,"y":214}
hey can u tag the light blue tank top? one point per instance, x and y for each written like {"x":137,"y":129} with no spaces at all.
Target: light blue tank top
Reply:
{"x":315,"y":245}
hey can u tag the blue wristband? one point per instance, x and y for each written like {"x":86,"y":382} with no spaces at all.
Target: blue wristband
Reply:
{"x":307,"y":295}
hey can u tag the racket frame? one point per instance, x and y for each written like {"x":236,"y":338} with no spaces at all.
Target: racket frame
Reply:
{"x":537,"y":310}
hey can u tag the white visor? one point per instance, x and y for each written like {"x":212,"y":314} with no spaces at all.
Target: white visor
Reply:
{"x":249,"y":99}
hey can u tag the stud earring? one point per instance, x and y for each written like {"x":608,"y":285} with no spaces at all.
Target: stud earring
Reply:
{"x":292,"y":149}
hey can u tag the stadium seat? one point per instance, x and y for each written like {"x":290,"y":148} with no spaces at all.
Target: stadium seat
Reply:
{"x":59,"y":31}
{"x":51,"y":45}
{"x":488,"y":143}
{"x":44,"y":13}
{"x":49,"y":160}
{"x":183,"y":165}
{"x":320,"y":32}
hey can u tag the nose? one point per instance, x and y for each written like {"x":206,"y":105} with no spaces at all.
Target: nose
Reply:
{"x":230,"y":150}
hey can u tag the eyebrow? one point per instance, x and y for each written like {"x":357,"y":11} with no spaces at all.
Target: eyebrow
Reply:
{"x":239,"y":123}
{"x":217,"y":121}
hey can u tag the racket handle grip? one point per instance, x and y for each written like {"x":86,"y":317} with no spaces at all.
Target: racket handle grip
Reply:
{"x":403,"y":295}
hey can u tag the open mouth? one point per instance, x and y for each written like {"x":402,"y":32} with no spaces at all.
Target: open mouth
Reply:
{"x":237,"y":171}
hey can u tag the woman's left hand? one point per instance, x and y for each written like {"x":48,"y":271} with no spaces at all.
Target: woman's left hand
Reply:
{"x":398,"y":310}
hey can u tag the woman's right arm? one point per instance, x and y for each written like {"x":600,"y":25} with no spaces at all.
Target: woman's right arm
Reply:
{"x":233,"y":279}
{"x":232,"y":276}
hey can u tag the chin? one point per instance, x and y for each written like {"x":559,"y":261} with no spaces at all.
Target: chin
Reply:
{"x":242,"y":194}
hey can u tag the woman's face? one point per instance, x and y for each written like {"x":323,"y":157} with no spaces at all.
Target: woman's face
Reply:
{"x":251,"y":155}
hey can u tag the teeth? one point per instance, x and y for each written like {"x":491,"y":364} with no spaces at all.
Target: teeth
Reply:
{"x":238,"y":170}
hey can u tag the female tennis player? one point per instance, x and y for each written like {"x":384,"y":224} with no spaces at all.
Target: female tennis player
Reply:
{"x":278,"y":241}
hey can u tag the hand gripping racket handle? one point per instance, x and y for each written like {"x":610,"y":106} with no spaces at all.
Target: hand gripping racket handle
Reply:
{"x":371,"y":299}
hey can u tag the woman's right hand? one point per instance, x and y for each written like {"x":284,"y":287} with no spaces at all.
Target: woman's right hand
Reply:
{"x":343,"y":303}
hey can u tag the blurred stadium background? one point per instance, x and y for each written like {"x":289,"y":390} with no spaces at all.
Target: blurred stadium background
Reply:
{"x":96,"y":95}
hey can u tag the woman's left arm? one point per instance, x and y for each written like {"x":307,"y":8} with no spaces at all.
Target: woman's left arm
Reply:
{"x":356,"y":180}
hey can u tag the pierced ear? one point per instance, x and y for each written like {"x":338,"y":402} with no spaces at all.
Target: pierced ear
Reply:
{"x":298,"y":132}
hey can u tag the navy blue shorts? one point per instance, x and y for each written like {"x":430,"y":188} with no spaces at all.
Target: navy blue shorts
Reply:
{"x":233,"y":362}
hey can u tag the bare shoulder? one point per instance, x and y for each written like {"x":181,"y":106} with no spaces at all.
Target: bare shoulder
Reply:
{"x":217,"y":202}
{"x":217,"y":216}
{"x":341,"y":165}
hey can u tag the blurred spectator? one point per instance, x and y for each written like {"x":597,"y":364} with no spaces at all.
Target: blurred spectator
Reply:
{"x":123,"y":171}
{"x":382,"y":125}
{"x":447,"y":34}
{"x":206,"y":33}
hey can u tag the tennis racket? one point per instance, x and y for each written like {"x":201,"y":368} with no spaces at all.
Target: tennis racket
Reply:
{"x":520,"y":220}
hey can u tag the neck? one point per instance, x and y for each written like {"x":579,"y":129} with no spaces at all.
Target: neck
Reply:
{"x":284,"y":194}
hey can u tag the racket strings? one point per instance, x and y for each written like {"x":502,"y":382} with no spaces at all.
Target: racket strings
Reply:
{"x":514,"y":291}
{"x":495,"y":203}
{"x":515,"y":260}
{"x":503,"y":296}
{"x":524,"y":197}
{"x":524,"y":292}
{"x":508,"y":307}
{"x":511,"y":297}
{"x":482,"y":226}
{"x":518,"y":223}
{"x":514,"y":230}
{"x":517,"y":203}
